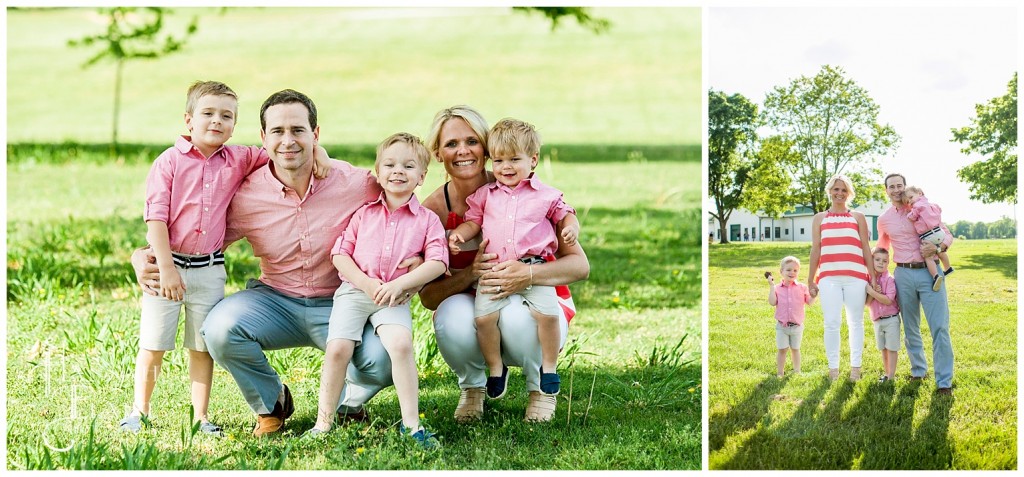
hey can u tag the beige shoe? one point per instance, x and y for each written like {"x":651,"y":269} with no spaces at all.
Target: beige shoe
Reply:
{"x":540,"y":407}
{"x":471,"y":405}
{"x":855,"y":374}
{"x":833,"y":373}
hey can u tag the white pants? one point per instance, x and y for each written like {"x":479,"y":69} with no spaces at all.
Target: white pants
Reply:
{"x":835,"y":292}
{"x":456,"y":340}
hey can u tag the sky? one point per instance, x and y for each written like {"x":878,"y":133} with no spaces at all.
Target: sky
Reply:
{"x":926,"y":68}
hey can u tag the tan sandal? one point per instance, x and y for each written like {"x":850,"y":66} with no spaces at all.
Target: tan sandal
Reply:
{"x":854,"y":374}
{"x":833,"y":374}
{"x":471,"y":405}
{"x":540,"y":407}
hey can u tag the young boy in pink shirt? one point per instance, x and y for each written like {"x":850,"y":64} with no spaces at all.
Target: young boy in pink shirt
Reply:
{"x":927,"y":219}
{"x":518,"y":215}
{"x":380,"y":236}
{"x":788,"y":298}
{"x":188,"y":190}
{"x":885,"y":313}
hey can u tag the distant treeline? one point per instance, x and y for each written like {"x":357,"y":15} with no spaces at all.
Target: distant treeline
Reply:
{"x":1002,"y":228}
{"x":362,"y":154}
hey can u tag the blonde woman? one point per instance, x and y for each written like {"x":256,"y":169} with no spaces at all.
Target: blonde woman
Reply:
{"x":838,"y":271}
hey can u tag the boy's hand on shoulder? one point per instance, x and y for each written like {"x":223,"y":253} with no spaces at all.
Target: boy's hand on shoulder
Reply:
{"x":321,"y":162}
{"x":171,"y":285}
{"x":570,"y":234}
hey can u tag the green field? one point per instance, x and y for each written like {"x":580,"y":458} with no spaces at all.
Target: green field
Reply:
{"x":758,"y":421}
{"x":371,"y":72}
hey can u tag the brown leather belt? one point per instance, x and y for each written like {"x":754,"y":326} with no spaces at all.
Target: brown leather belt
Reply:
{"x":911,"y":265}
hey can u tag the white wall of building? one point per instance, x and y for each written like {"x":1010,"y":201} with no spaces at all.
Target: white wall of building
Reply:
{"x":745,"y":226}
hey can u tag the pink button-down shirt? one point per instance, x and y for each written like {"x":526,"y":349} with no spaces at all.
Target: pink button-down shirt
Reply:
{"x":378,"y":240}
{"x":878,"y":310}
{"x":291,"y":236}
{"x":518,"y":222}
{"x":896,"y":233}
{"x":925,"y":215}
{"x":790,"y":301}
{"x":190,"y":193}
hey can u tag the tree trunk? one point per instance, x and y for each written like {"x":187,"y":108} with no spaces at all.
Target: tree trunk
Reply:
{"x":722,"y":233}
{"x":117,"y":107}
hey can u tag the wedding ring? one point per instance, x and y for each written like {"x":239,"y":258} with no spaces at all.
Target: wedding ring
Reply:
{"x":499,"y":288}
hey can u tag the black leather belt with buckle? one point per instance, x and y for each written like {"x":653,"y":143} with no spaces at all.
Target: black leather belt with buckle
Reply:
{"x":200,"y":261}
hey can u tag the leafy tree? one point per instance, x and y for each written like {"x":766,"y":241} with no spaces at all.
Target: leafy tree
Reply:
{"x":992,"y":133}
{"x":831,"y":125}
{"x":961,"y":229}
{"x":132,"y":33}
{"x":732,"y":129}
{"x":1003,"y":228}
{"x":768,"y":182}
{"x":581,"y":14}
{"x":979,"y":231}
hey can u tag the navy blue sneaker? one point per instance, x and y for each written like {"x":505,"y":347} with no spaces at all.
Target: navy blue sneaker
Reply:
{"x":549,"y":383}
{"x":497,"y":385}
{"x":948,"y":271}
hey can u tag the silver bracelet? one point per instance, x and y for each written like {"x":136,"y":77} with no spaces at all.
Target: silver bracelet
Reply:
{"x":531,"y":278}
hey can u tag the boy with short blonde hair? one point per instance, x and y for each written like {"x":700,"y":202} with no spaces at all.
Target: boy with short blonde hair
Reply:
{"x":788,"y":298}
{"x":380,"y":236}
{"x":885,"y":313}
{"x":519,"y":216}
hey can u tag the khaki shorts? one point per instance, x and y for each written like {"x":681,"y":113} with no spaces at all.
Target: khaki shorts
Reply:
{"x":353,"y":307}
{"x":788,"y":336}
{"x":204,"y":287}
{"x":541,"y":299}
{"x":887,"y":333}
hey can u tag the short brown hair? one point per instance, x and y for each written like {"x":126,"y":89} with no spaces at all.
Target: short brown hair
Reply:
{"x":286,"y":96}
{"x":894,"y":174}
{"x":203,"y":88}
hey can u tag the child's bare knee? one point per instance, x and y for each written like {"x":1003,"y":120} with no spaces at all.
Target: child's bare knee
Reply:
{"x":487,"y":320}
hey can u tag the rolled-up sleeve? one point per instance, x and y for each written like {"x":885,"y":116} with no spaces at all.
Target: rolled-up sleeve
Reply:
{"x":158,"y":189}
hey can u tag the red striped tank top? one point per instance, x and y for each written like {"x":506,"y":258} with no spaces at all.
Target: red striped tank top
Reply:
{"x":842,"y":253}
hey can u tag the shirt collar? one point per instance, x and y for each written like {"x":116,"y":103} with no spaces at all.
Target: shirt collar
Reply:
{"x":782,"y":283}
{"x":531,"y":181}
{"x":184,"y":145}
{"x":413,"y":204}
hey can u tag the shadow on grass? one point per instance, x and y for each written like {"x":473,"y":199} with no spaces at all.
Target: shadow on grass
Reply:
{"x":1005,"y":263}
{"x":870,"y":429}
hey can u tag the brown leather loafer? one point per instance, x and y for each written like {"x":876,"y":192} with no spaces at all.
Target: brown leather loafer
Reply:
{"x":945,"y":391}
{"x":267,"y":424}
{"x":361,"y":415}
{"x":471,"y":405}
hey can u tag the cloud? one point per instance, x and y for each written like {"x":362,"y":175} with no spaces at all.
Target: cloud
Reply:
{"x":831,"y":51}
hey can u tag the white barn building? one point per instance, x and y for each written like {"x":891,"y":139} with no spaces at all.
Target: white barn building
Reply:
{"x":793,"y":226}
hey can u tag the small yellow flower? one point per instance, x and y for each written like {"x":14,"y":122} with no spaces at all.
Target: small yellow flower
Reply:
{"x":675,"y":272}
{"x":60,"y":297}
{"x":422,"y":416}
{"x":691,"y":390}
{"x":360,"y":450}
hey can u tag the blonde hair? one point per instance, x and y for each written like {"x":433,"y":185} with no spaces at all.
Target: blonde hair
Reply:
{"x":915,"y":189}
{"x":789,"y":259}
{"x":878,"y":250}
{"x":846,"y":180}
{"x":471,"y":116}
{"x":204,"y":88}
{"x":509,"y":137}
{"x":414,"y":142}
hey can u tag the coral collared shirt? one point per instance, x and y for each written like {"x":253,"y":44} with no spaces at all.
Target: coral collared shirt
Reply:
{"x":291,"y":236}
{"x":378,"y":240}
{"x":520,"y":221}
{"x":790,"y":301}
{"x":925,"y":215}
{"x":190,"y":193}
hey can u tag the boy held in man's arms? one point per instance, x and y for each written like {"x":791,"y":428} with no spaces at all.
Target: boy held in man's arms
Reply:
{"x":519,"y":216}
{"x":789,"y":299}
{"x":379,"y":237}
{"x":927,"y":219}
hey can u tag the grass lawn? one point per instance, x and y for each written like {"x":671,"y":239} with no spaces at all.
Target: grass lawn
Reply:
{"x":631,"y":372}
{"x":758,"y":421}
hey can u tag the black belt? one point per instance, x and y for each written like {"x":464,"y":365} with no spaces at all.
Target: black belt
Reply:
{"x":790,"y":323}
{"x":911,"y":265}
{"x":198,"y":261}
{"x":930,"y":232}
{"x":887,"y":317}
{"x":533,"y":260}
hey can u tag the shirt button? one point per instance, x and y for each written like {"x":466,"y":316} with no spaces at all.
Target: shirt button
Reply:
{"x":392,"y":224}
{"x":510,"y":216}
{"x":509,"y":240}
{"x":206,"y":209}
{"x":300,"y":209}
{"x":204,"y":232}
{"x":207,"y":185}
{"x":387,"y":248}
